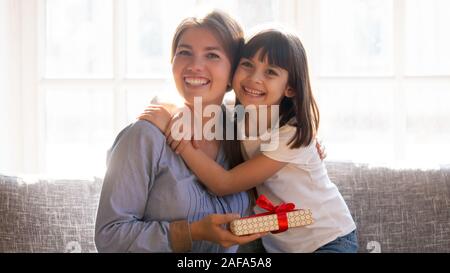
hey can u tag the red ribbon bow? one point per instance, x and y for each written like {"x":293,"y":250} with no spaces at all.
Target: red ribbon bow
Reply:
{"x":281,"y":210}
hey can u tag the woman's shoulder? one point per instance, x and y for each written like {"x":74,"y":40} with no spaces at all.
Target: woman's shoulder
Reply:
{"x":138,"y":136}
{"x":147,"y":128}
{"x":143,"y":131}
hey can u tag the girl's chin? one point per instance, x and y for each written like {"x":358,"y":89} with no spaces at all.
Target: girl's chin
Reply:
{"x":248,"y":102}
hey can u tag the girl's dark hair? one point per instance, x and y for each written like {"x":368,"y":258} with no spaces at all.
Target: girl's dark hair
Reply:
{"x":231,"y":36}
{"x":286,"y":51}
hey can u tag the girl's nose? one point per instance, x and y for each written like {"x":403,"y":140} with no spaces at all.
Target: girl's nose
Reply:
{"x":256,"y":77}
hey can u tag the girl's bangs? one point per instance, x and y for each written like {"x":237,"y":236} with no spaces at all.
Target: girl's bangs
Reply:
{"x":271,"y":45}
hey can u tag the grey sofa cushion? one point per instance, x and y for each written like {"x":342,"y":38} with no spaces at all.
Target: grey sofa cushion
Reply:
{"x":396,"y":210}
{"x":48,"y":216}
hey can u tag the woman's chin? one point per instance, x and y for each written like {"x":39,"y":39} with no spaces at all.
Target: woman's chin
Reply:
{"x":205,"y":100}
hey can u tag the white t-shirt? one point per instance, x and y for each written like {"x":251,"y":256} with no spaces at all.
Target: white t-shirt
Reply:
{"x":304,"y":182}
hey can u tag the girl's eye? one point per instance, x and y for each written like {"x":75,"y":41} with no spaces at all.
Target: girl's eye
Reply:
{"x":184,"y":53}
{"x":246,"y":64}
{"x":212,"y":56}
{"x":272,"y":72}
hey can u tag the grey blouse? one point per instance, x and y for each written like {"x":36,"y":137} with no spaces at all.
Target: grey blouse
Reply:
{"x":146,"y":186}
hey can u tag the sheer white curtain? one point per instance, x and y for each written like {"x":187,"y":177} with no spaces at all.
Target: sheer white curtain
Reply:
{"x":10,"y":93}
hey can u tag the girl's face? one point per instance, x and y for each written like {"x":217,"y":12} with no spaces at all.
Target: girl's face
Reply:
{"x":200,"y":67}
{"x":259,"y":83}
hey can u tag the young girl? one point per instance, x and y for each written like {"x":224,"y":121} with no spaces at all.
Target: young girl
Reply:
{"x":273,"y":71}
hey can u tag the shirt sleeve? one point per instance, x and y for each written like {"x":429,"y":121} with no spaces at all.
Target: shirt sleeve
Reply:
{"x":132,"y":167}
{"x":277,"y":147}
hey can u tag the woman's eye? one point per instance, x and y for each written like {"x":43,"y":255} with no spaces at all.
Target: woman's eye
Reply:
{"x":184,"y":52}
{"x":212,"y":56}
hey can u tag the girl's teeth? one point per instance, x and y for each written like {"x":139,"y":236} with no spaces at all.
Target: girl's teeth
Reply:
{"x":253,"y":92}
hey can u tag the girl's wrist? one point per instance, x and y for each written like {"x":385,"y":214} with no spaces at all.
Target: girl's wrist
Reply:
{"x":188,"y":149}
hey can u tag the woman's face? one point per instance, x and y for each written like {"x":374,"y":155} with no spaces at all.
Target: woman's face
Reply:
{"x":200,"y":67}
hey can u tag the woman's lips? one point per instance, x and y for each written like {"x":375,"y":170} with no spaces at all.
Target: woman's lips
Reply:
{"x":196,"y":81}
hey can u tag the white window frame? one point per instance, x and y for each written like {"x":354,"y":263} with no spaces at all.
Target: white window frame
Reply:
{"x":308,"y":23}
{"x":34,"y":83}
{"x":302,"y":14}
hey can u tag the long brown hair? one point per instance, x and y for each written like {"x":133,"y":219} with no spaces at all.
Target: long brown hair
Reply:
{"x":286,"y":51}
{"x":231,"y":36}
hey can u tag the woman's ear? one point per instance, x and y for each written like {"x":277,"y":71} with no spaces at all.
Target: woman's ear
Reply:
{"x":289,"y":92}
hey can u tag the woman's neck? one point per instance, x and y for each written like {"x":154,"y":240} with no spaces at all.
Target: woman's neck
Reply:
{"x":209,"y":147}
{"x":198,"y":115}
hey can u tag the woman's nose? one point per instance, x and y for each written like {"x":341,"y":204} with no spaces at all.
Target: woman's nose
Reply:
{"x":196,"y":64}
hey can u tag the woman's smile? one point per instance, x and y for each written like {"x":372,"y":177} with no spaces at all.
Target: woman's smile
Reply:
{"x":193,"y":81}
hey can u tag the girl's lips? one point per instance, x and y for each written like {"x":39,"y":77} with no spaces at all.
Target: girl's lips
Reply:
{"x":253,"y":92}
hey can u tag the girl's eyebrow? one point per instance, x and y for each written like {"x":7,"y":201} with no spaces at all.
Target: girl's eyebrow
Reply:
{"x":274,"y":67}
{"x":269,"y":65}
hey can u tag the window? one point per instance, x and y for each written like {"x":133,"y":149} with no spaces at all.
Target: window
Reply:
{"x":382,"y":76}
{"x":81,"y":70}
{"x":102,"y":62}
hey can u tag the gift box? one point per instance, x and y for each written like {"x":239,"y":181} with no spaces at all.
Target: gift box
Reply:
{"x":277,"y":219}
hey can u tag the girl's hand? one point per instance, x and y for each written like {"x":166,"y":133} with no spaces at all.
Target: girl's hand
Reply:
{"x":321,"y":149}
{"x":158,"y":115}
{"x":176,"y":143}
{"x":210,"y":228}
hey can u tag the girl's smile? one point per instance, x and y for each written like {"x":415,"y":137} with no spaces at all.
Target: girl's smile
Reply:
{"x":253,"y":92}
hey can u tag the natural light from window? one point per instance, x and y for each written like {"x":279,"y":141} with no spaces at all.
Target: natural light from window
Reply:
{"x":380,"y":70}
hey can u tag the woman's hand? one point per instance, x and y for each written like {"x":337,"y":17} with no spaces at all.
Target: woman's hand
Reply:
{"x":321,"y":149}
{"x":210,"y":228}
{"x":158,"y":115}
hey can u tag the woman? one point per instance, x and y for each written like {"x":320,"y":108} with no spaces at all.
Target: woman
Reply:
{"x":150,"y":200}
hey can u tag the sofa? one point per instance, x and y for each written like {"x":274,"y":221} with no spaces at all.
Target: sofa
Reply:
{"x":394,"y":210}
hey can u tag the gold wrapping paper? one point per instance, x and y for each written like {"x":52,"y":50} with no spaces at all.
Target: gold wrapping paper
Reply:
{"x":245,"y":226}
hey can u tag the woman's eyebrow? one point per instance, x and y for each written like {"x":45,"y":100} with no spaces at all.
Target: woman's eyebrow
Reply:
{"x":185,"y":45}
{"x":208,"y":48}
{"x":213,"y":48}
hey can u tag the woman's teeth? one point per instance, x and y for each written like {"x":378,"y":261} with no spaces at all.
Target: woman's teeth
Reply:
{"x":196,"y":81}
{"x":253,"y":92}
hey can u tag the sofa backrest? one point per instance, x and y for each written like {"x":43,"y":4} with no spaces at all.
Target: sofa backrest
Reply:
{"x":48,"y":215}
{"x":396,"y":210}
